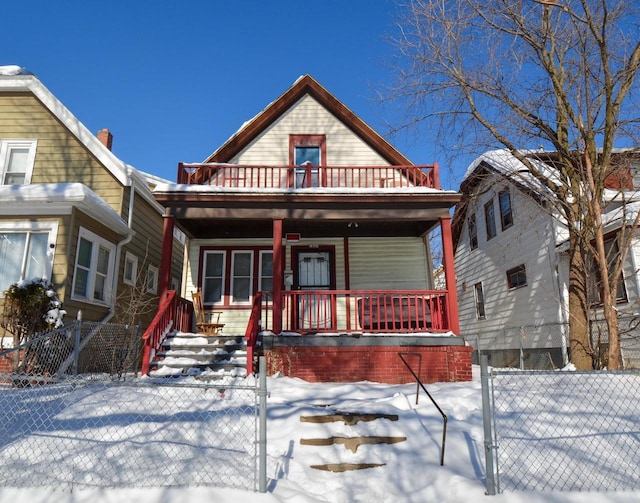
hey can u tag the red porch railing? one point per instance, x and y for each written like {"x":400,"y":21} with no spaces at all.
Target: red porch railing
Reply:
{"x":174,"y":313}
{"x":253,"y":330}
{"x":306,"y":176}
{"x":374,"y":311}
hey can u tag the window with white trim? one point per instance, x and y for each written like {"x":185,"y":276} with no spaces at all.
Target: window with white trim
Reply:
{"x":213,"y":268}
{"x":241,"y":276}
{"x":265,"y":283}
{"x":26,"y":251}
{"x":16,"y":161}
{"x":490,"y":219}
{"x":473,"y":232}
{"x":130,"y":269}
{"x":93,"y":271}
{"x":152,"y":279}
{"x":506,"y":213}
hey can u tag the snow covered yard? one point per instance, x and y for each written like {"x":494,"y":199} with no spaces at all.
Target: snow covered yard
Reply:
{"x":411,"y":470}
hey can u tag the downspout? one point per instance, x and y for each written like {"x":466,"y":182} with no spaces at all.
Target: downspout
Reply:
{"x":119,"y":246}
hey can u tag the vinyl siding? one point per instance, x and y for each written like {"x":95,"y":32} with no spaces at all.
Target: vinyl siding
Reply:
{"x":307,"y":116}
{"x":60,"y":157}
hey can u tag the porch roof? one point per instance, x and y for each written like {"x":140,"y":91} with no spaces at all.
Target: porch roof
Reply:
{"x":206,"y":212}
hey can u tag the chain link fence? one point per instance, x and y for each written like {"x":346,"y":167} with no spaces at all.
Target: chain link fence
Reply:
{"x":545,"y":346}
{"x":561,"y":431}
{"x":74,"y":413}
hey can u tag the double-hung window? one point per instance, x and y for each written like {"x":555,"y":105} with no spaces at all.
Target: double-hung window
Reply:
{"x":213,"y":276}
{"x":241,"y":276}
{"x":506,"y":214}
{"x":473,"y":232}
{"x":16,"y":161}
{"x":26,"y":252}
{"x":266,"y":271}
{"x":479,"y":298}
{"x":93,"y":272}
{"x":490,"y":219}
{"x":517,"y":277}
{"x":307,"y":152}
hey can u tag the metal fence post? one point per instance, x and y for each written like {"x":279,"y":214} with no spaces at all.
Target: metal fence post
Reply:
{"x":488,"y":431}
{"x":262,"y":430}
{"x":76,"y":345}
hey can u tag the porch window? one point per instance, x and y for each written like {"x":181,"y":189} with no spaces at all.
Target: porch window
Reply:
{"x":490,"y":219}
{"x":473,"y":232}
{"x":25,"y":253}
{"x":266,"y":272}
{"x":241,"y":278}
{"x":93,"y":269}
{"x":506,"y":214}
{"x":213,"y":277}
{"x":479,"y":297}
{"x":16,"y":161}
{"x":517,"y":277}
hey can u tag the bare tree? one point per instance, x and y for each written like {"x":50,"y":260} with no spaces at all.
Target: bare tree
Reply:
{"x":552,"y":75}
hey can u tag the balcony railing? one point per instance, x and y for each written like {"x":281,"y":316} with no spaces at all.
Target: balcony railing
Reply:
{"x":309,"y":176}
{"x":361,"y":311}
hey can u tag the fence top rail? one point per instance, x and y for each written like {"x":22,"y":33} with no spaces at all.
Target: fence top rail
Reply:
{"x":533,"y":372}
{"x":43,"y":336}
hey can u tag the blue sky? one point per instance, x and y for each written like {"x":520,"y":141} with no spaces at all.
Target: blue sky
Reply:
{"x":173,"y":80}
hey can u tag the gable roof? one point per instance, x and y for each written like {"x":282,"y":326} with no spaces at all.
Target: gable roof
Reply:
{"x":301,"y":87}
{"x":17,"y":79}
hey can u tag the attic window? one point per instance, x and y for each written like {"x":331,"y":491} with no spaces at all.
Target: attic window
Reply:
{"x":16,"y":160}
{"x":307,"y":153}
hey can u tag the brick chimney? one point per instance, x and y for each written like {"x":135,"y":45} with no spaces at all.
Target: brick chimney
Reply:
{"x":105,"y":137}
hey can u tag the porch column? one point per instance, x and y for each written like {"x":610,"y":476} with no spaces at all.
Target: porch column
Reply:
{"x":449,"y":274}
{"x":164,"y":279}
{"x":278,"y":276}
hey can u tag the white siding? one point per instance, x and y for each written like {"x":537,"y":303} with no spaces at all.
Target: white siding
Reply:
{"x":307,"y":116}
{"x":528,"y":242}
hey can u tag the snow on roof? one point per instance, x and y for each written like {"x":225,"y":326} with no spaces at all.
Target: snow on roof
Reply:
{"x":11,"y":70}
{"x":213,"y":189}
{"x":58,"y":199}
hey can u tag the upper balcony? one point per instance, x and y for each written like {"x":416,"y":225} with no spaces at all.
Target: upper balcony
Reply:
{"x":309,"y":176}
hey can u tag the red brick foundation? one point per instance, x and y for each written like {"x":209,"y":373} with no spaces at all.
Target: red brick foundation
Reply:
{"x":370,"y":363}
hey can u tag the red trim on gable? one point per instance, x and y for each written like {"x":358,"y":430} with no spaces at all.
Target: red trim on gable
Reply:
{"x":307,"y":85}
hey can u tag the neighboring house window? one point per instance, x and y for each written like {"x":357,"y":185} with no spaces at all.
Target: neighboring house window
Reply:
{"x":16,"y":160}
{"x":130,"y":269}
{"x":266,"y":272}
{"x":517,"y":277}
{"x":595,"y":291}
{"x":152,"y":279}
{"x":213,"y":277}
{"x":506,"y":215}
{"x":490,"y":219}
{"x":307,"y":153}
{"x":479,"y":295}
{"x":473,"y":232}
{"x":241,"y":278}
{"x":635,"y":173}
{"x":26,"y":252}
{"x":94,"y":268}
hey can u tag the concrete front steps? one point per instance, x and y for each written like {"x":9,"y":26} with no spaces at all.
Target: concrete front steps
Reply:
{"x":208,"y":357}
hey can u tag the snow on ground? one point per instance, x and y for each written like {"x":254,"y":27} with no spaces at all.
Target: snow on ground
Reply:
{"x":411,"y":471}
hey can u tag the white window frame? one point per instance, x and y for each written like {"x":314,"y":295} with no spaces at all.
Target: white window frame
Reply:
{"x":34,"y":227}
{"x":234,"y":253}
{"x":223,"y":279}
{"x":152,"y":279}
{"x":97,"y":242}
{"x":477,"y":288}
{"x":6,"y":146}
{"x":261,"y":254}
{"x":133,"y":260}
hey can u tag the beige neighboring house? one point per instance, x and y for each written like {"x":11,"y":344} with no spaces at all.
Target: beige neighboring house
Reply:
{"x":72,"y":212}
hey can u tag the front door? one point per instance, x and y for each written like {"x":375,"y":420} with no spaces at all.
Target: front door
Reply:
{"x":314,"y":273}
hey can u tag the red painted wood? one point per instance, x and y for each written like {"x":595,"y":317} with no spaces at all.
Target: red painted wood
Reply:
{"x":278,"y":276}
{"x":450,"y":275}
{"x":164,"y":277}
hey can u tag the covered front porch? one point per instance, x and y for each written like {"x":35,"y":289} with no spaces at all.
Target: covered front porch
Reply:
{"x":301,"y":269}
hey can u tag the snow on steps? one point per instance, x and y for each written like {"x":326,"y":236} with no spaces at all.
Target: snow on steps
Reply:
{"x":207,"y":357}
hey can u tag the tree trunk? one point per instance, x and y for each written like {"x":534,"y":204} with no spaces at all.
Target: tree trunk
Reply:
{"x":579,"y":339}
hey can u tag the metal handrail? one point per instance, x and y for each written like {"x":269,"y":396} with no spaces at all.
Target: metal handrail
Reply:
{"x":420,"y":385}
